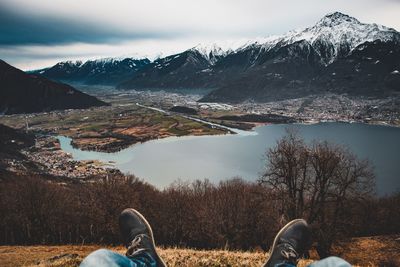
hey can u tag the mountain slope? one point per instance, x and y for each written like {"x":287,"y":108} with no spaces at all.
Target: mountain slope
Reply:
{"x":371,"y":69}
{"x":273,"y":75}
{"x":27,"y":93}
{"x":12,"y":141}
{"x":107,"y":71}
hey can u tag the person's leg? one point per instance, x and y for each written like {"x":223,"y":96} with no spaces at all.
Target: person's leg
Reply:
{"x":108,"y":258}
{"x":289,"y":245}
{"x":138,"y":238}
{"x":330,"y":262}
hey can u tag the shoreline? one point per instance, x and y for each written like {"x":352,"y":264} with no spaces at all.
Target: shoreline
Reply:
{"x":250,"y":131}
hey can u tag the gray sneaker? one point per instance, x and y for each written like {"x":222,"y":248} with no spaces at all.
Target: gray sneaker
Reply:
{"x":291,"y":242}
{"x":137,"y":235}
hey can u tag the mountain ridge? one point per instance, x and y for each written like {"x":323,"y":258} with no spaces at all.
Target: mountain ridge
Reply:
{"x":104,"y":71}
{"x":278,"y":67}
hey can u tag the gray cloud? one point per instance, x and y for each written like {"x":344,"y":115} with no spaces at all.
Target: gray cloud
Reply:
{"x":24,"y":29}
{"x":45,"y":31}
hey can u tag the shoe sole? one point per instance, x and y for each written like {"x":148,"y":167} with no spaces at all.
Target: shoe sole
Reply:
{"x":159,"y":259}
{"x":280,"y":233}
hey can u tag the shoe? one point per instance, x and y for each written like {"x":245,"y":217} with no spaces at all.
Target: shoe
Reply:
{"x":137,"y":235}
{"x":292,"y":241}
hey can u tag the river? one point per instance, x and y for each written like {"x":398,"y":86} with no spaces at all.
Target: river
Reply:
{"x":160,"y":162}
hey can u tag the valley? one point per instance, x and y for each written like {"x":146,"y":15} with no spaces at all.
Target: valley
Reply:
{"x":135,"y":117}
{"x":245,"y":115}
{"x":218,"y":122}
{"x":109,"y":129}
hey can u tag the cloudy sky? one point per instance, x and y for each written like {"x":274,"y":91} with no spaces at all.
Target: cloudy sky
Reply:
{"x":39,"y":33}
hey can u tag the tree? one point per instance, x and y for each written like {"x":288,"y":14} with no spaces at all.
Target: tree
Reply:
{"x":317,"y":182}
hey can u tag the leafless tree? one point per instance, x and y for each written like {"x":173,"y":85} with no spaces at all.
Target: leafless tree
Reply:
{"x":317,"y":182}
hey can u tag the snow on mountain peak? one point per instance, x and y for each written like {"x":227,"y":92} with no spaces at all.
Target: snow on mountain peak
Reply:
{"x":336,"y":18}
{"x":213,"y":51}
{"x":69,"y":63}
{"x":343,"y":33}
{"x":336,"y":32}
{"x":210,"y":51}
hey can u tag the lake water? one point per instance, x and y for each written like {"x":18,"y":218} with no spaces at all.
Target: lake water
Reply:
{"x":160,"y":162}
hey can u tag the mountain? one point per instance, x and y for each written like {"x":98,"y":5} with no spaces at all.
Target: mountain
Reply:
{"x":337,"y":54}
{"x":106,"y":71}
{"x":295,"y":64}
{"x":191,"y":69}
{"x":333,"y":36}
{"x":26,"y":93}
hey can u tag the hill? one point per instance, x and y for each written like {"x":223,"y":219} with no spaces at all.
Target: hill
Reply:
{"x":11,"y":143}
{"x":27,"y":93}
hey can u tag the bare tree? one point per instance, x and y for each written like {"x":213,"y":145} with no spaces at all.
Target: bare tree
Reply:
{"x":317,"y":182}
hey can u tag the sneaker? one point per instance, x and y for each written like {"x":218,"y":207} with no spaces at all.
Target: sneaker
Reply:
{"x":137,"y":235}
{"x":292,"y":241}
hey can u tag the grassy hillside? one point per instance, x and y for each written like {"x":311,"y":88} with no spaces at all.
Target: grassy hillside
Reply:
{"x":366,"y":251}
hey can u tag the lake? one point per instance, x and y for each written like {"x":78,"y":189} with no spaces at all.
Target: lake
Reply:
{"x":160,"y":162}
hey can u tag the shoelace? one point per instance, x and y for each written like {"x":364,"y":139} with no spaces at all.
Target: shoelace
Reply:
{"x":289,"y":253}
{"x":134,"y":247}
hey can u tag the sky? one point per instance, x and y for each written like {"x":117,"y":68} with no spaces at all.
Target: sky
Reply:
{"x":39,"y":33}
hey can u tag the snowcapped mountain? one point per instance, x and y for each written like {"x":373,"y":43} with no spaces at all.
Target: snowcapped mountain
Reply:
{"x":211,"y":52}
{"x":106,"y":71}
{"x":338,"y":54}
{"x":187,"y":70}
{"x":333,"y":36}
{"x":295,"y":64}
{"x":217,"y":50}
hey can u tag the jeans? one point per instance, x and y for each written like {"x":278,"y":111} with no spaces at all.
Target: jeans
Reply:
{"x":327,"y":262}
{"x":108,"y":258}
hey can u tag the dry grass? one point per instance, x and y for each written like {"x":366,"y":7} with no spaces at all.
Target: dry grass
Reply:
{"x":68,"y":256}
{"x":372,"y":251}
{"x":189,"y":258}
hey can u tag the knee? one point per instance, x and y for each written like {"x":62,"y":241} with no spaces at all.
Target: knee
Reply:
{"x":100,"y":253}
{"x":339,"y":261}
{"x":332,"y":261}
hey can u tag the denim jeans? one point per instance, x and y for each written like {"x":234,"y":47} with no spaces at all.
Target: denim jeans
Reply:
{"x":108,"y":258}
{"x":327,"y":262}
